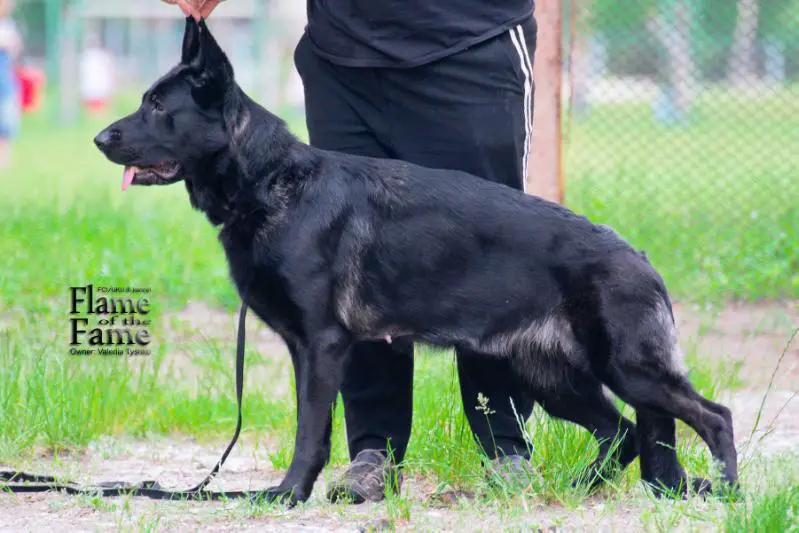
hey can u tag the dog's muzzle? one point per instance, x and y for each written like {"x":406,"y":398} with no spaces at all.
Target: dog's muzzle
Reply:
{"x":136,"y":173}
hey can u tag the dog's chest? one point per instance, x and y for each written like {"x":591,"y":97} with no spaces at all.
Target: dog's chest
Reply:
{"x":255,"y":273}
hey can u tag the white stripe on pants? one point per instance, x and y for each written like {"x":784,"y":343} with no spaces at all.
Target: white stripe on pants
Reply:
{"x":519,"y":42}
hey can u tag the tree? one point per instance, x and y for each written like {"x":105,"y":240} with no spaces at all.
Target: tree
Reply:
{"x":673,"y":28}
{"x":742,"y":66}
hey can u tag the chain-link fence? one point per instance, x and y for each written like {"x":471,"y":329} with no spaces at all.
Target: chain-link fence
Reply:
{"x":682,"y":132}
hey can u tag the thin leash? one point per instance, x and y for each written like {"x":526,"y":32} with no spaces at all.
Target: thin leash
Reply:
{"x":15,"y":481}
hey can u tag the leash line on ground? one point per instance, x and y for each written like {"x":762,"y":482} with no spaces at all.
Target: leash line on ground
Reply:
{"x":23,"y":482}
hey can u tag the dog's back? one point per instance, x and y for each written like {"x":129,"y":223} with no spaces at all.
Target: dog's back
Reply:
{"x":433,"y":240}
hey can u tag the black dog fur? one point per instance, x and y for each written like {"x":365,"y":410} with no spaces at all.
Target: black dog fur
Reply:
{"x":330,"y":249}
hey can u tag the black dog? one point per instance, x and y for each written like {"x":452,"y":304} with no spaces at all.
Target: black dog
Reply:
{"x":330,"y":249}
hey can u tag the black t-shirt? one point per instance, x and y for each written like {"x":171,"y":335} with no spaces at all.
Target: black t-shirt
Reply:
{"x":406,"y":33}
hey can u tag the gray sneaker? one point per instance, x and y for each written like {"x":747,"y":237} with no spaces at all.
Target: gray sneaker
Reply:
{"x":512,"y":472}
{"x":365,"y":479}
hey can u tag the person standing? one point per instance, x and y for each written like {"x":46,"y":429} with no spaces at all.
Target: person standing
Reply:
{"x":443,"y":84}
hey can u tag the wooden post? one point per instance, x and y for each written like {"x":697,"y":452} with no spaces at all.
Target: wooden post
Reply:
{"x":544,"y":170}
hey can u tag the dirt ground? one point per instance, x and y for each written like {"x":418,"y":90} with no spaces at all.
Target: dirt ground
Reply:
{"x":755,"y":335}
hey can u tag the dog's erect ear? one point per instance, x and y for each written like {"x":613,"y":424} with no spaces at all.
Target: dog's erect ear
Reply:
{"x":211,"y":53}
{"x":191,"y":41}
{"x":212,"y":72}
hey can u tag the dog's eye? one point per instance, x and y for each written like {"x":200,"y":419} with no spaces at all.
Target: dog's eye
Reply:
{"x":156,"y":103}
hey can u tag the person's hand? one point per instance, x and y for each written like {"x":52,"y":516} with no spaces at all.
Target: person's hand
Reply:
{"x":195,"y":8}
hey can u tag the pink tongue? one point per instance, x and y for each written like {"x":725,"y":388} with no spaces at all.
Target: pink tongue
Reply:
{"x":127,"y":177}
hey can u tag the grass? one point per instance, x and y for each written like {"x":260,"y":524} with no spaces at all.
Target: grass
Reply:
{"x":715,"y":204}
{"x":776,"y":510}
{"x":717,"y":228}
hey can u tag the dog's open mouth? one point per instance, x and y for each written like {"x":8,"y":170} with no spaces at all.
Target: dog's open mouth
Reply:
{"x":161,"y":174}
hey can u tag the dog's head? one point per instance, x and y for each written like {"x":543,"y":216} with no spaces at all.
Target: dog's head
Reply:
{"x":180,"y":122}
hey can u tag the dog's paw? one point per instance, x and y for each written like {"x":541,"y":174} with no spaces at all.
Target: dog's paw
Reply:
{"x":726,"y":490}
{"x":602,"y":471}
{"x":673,"y":489}
{"x":280,"y":495}
{"x":723,"y":490}
{"x":701,"y":486}
{"x":595,"y":476}
{"x":679,"y":488}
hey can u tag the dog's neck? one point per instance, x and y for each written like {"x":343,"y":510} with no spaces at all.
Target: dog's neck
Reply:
{"x":229,"y":184}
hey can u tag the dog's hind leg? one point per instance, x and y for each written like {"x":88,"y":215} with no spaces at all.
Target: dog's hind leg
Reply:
{"x":580,"y":399}
{"x":659,"y":395}
{"x":660,"y":467}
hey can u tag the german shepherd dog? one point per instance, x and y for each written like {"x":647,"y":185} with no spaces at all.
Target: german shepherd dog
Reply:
{"x":331,"y":249}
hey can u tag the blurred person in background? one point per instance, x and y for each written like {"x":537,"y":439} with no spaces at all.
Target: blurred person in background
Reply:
{"x":443,"y":84}
{"x":96,"y":75}
{"x":10,"y":102}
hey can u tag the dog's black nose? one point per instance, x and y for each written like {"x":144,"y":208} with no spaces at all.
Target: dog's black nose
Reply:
{"x":106,"y":138}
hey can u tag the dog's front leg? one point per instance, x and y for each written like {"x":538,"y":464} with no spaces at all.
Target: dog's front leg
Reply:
{"x":298,"y":352}
{"x":320,"y":378}
{"x":299,"y":356}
